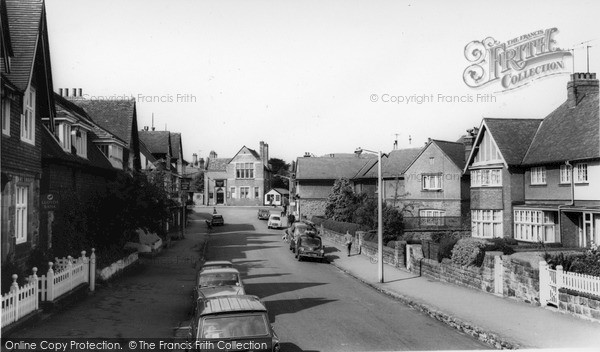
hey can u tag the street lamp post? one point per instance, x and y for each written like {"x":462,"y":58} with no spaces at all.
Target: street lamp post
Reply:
{"x":379,"y":211}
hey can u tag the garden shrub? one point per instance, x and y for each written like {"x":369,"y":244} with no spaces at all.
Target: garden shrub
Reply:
{"x":469,"y":251}
{"x":447,"y":244}
{"x":501,"y":244}
{"x":341,"y":227}
{"x":587,"y":263}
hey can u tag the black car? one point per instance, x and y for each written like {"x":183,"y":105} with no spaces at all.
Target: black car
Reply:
{"x":297,"y":229}
{"x":309,"y":245}
{"x":217,"y":219}
{"x":263,"y":214}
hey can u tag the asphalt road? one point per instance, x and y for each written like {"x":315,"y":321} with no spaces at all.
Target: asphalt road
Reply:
{"x":316,"y":307}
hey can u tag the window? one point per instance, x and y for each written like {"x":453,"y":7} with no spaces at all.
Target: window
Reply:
{"x":6,"y":116}
{"x":538,"y":175}
{"x":431,"y":182}
{"x":79,"y":141}
{"x":256,"y":192}
{"x":431,"y":160}
{"x":244,"y":192}
{"x":21,"y":214}
{"x":565,"y":174}
{"x":64,"y":136}
{"x":431,"y":217}
{"x":28,"y":118}
{"x":486,"y":223}
{"x":580,"y":173}
{"x":104,"y":149}
{"x":487,"y":152}
{"x":535,"y":226}
{"x":244,"y":170}
{"x":486,"y":178}
{"x":232,"y":190}
{"x":277,"y":198}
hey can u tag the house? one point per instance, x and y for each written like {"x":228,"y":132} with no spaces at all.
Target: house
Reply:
{"x":120,"y":118}
{"x":315,"y":177}
{"x":434,"y":183}
{"x":74,"y":169}
{"x":241,"y":180}
{"x":539,"y":179}
{"x":163,"y":145}
{"x":277,"y":196}
{"x":393,"y":166}
{"x":27,"y":97}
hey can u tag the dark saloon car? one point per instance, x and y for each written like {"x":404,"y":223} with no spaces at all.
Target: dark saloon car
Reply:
{"x":309,"y":245}
{"x":297,"y":229}
{"x":232,"y":323}
{"x":263,"y":214}
{"x":217,"y":219}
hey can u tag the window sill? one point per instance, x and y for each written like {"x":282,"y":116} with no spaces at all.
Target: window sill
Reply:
{"x":586,"y":183}
{"x":432,"y":190}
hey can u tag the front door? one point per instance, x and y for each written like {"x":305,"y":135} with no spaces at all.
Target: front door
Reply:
{"x":220,"y":196}
{"x":587,"y":233}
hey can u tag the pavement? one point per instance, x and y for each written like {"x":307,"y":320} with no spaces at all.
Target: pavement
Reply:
{"x":501,"y":322}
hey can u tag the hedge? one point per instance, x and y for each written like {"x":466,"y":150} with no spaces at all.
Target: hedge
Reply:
{"x":336,"y":226}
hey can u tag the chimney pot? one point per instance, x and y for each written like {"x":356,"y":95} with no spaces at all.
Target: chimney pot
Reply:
{"x":80,"y":92}
{"x":60,"y":92}
{"x":74,"y":92}
{"x":581,"y":85}
{"x":66,"y":92}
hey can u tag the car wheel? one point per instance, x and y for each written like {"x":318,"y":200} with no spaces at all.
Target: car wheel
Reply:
{"x":299,"y":257}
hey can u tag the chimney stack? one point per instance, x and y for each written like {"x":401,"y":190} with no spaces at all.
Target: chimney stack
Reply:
{"x":60,"y":92}
{"x":212,"y":155}
{"x":581,"y":85}
{"x":201,"y":164}
{"x":468,"y":141}
{"x":264,"y":153}
{"x":194,"y":159}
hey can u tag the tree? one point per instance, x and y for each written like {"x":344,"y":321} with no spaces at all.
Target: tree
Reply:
{"x":342,"y":201}
{"x":280,"y":167}
{"x":197,"y":184}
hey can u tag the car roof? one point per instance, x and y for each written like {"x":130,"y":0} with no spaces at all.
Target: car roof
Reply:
{"x":275,"y":216}
{"x":221,"y":270}
{"x":231,"y":304}
{"x":217,"y":215}
{"x":217,"y":262}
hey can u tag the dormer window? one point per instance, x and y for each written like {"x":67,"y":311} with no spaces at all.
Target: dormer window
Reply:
{"x":79,"y":141}
{"x":64,"y":136}
{"x":114,"y":153}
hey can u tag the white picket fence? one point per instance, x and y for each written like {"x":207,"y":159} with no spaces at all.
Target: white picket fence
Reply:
{"x":552,"y":280}
{"x":69,"y":274}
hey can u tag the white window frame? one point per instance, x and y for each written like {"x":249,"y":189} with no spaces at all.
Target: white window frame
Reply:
{"x":486,"y":223}
{"x":256,"y":192}
{"x":432,"y":182}
{"x":21,"y":213}
{"x":486,"y":178}
{"x":565,"y":174}
{"x":430,"y":217}
{"x":232,"y":191}
{"x":538,"y":175}
{"x":80,"y":143}
{"x":28,"y":117}
{"x":6,"y":107}
{"x":244,"y":171}
{"x":64,"y":136}
{"x":580,"y":173}
{"x":535,"y":226}
{"x":244,"y":192}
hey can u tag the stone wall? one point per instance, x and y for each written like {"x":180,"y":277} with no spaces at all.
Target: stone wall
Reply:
{"x":521,"y":280}
{"x":583,"y":306}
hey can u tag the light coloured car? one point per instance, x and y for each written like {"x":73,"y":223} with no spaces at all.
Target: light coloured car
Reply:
{"x":274,"y":221}
{"x":218,"y":282}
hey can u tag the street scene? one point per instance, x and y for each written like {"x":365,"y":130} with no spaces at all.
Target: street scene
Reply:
{"x":299,"y":175}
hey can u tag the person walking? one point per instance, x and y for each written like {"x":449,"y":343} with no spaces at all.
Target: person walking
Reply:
{"x":349,"y":239}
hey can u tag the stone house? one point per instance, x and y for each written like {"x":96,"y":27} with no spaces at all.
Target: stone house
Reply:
{"x":241,"y":180}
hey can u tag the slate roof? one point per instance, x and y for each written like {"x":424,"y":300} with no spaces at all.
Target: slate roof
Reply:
{"x":156,"y":141}
{"x":24,"y":24}
{"x":393,"y":165}
{"x":51,"y":150}
{"x":175,"y":144}
{"x":454,"y":150}
{"x":6,"y":49}
{"x":114,"y":115}
{"x":328,"y":168}
{"x":218,"y":164}
{"x":567,"y":134}
{"x":512,"y":136}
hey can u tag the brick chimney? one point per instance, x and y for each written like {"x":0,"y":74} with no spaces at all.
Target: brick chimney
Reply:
{"x":264,"y":153}
{"x":468,"y":141}
{"x":194,"y":159}
{"x":212,"y":155}
{"x":581,"y":85}
{"x":201,"y":164}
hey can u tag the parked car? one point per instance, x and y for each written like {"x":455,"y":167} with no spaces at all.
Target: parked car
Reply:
{"x":216,"y":264}
{"x":309,"y":245}
{"x":264,"y":214}
{"x":218,"y":282}
{"x":217,"y":219}
{"x":232,"y":323}
{"x":296,"y":230}
{"x":274,"y":221}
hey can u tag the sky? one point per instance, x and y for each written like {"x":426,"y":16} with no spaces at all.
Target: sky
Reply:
{"x":314,"y":76}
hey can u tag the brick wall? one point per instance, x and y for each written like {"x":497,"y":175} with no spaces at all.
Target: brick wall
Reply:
{"x":312,"y":207}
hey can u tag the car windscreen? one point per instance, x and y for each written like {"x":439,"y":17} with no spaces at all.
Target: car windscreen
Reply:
{"x":310,"y":241}
{"x":275,"y":218}
{"x":218,"y":279}
{"x":217,"y":217}
{"x":303,"y":228}
{"x":234,"y":326}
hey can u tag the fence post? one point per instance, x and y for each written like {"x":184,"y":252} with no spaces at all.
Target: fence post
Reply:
{"x":86,"y":267}
{"x":50,"y":283}
{"x":408,"y":255}
{"x":544,"y":282}
{"x":14,"y":290}
{"x":35,"y":279}
{"x":69,"y":269}
{"x":559,"y":277}
{"x":92,"y":271}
